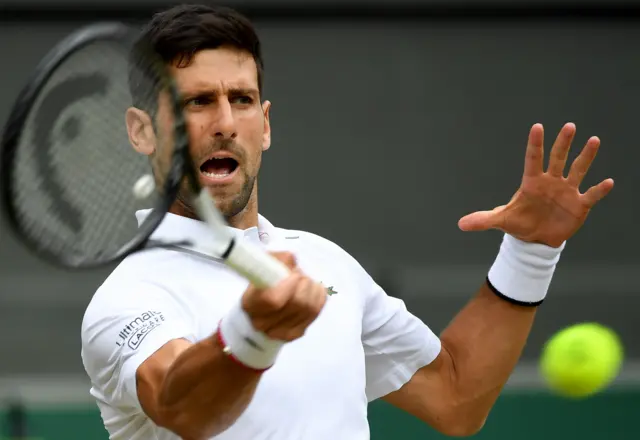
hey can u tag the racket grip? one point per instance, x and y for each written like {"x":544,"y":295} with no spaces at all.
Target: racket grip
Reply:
{"x":260,"y":268}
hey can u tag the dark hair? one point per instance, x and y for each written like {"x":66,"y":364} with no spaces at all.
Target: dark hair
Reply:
{"x":178,"y":33}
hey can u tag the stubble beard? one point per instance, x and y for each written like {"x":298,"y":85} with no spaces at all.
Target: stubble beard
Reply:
{"x":228,"y":208}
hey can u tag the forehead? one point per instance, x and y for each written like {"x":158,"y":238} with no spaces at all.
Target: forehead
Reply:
{"x":217,"y":69}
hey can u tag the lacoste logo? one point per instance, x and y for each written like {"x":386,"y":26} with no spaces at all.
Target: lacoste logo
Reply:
{"x":330,"y":290}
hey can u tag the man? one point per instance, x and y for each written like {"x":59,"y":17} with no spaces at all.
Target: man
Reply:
{"x":178,"y":346}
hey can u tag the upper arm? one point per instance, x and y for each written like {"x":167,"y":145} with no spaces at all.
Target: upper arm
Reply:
{"x":425,"y":395}
{"x":407,"y":364}
{"x":396,"y":343}
{"x":125,"y":327}
{"x":432,"y":396}
{"x":151,"y":373}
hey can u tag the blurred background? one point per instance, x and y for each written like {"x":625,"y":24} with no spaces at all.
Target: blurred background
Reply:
{"x":391,"y":119}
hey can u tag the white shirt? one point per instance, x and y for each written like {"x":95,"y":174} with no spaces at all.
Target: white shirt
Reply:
{"x":363,"y":345}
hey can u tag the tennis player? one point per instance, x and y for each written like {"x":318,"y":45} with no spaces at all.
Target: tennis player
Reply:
{"x":179,"y":346}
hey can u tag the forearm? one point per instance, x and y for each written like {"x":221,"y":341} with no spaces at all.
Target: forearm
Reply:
{"x":204,"y":391}
{"x":485,"y":341}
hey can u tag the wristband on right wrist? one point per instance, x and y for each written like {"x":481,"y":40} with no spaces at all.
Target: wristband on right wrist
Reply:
{"x":244,"y":344}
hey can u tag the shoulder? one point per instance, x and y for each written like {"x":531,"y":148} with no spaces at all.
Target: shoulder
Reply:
{"x":143,"y":268}
{"x":142,"y":281}
{"x":135,"y":299}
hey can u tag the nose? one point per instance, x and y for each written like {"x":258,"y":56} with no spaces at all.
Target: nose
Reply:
{"x":225,"y":126}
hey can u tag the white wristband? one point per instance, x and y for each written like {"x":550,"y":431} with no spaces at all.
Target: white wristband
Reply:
{"x":245,"y":344}
{"x":522,"y":271}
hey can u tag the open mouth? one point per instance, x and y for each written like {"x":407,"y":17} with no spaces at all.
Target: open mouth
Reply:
{"x":219,"y":168}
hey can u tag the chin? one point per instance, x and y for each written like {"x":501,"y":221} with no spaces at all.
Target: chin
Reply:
{"x":228,"y":203}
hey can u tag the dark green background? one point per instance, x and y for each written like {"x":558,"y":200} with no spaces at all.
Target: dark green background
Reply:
{"x":517,"y":416}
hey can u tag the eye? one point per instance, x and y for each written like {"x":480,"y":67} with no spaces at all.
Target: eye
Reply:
{"x":242,"y":99}
{"x":198,"y":101}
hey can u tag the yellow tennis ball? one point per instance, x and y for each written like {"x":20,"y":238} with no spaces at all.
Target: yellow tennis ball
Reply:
{"x":581,"y":360}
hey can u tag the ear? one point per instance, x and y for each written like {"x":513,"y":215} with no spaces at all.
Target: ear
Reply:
{"x":140,"y":130}
{"x":266,"y":136}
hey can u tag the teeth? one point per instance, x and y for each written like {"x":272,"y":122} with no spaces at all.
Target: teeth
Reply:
{"x":215,"y":175}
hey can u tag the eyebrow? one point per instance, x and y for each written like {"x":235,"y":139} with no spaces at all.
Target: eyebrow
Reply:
{"x":243,"y":91}
{"x":206,"y":91}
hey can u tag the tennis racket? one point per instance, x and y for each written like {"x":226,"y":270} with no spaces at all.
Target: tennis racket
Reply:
{"x":71,"y":181}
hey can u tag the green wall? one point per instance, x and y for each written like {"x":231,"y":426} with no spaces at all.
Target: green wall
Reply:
{"x":530,"y":416}
{"x":517,"y":416}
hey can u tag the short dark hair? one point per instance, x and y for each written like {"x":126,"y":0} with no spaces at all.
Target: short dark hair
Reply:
{"x":178,"y":33}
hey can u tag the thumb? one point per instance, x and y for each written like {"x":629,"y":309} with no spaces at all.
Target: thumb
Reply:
{"x":480,"y":220}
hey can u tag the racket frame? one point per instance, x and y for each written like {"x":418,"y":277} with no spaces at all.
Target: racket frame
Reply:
{"x":14,"y":130}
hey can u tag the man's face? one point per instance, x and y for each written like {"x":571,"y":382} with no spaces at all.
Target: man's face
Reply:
{"x":228,"y":125}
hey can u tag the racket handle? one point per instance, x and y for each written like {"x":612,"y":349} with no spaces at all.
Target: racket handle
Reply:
{"x":260,"y":268}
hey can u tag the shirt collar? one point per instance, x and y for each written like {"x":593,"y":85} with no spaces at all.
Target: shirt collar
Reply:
{"x":175,"y":228}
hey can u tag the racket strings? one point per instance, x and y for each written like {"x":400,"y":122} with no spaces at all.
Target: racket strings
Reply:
{"x":75,"y":167}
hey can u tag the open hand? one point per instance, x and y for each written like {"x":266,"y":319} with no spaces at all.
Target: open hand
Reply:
{"x":548,"y":208}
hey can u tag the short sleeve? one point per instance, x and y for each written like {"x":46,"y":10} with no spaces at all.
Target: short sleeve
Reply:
{"x":121,"y":329}
{"x":396,"y":343}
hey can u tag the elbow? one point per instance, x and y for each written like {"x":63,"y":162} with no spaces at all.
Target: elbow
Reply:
{"x":460,"y":420}
{"x":461,"y":427}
